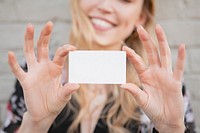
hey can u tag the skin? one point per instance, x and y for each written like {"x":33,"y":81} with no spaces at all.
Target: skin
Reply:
{"x":161,"y":86}
{"x":45,"y":96}
{"x":110,"y":11}
{"x":112,"y":26}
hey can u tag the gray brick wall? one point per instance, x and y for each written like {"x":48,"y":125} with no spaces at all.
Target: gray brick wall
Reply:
{"x":180,"y":19}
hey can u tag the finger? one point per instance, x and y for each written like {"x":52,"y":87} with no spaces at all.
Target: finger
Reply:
{"x":180,"y":63}
{"x":66,"y":91}
{"x":135,"y":59}
{"x":15,"y":68}
{"x":61,"y":54}
{"x":43,"y":42}
{"x":139,"y":95}
{"x":29,"y":45}
{"x":150,"y":48}
{"x":165,"y":52}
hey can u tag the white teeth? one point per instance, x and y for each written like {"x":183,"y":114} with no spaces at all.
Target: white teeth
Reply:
{"x":101,"y":23}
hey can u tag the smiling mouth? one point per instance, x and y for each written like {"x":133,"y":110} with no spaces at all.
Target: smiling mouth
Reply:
{"x":102,"y":25}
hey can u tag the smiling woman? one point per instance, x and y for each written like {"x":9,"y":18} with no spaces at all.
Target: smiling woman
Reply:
{"x":109,"y":20}
{"x":53,"y":105}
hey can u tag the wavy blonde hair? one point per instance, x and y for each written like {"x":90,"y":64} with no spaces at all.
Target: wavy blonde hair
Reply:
{"x":123,"y":107}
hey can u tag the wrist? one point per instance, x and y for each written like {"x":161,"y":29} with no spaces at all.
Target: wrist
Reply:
{"x":171,"y":129}
{"x":31,"y":126}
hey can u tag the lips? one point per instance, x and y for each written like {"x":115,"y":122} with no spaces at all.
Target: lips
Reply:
{"x":102,"y":24}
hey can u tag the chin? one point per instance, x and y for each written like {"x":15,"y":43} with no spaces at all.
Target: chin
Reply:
{"x":103,"y":42}
{"x":106,"y":42}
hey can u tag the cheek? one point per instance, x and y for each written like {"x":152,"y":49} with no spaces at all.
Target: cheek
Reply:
{"x":83,"y":5}
{"x":128,"y":25}
{"x":129,"y":20}
{"x":87,"y":5}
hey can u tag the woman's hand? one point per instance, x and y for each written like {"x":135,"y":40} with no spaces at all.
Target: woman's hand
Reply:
{"x":161,"y":95}
{"x":45,"y":96}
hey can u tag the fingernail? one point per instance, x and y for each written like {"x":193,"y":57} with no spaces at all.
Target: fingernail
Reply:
{"x":123,"y":86}
{"x":76,"y":85}
{"x":139,"y":27}
{"x":29,"y":24}
{"x":123,"y":47}
{"x":158,"y":25}
{"x":50,"y":23}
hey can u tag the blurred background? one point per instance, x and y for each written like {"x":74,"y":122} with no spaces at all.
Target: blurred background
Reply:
{"x":180,"y":19}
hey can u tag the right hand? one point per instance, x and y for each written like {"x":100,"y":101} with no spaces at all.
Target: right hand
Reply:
{"x":44,"y":94}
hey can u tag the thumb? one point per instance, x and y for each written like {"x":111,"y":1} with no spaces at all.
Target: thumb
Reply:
{"x":140,"y":96}
{"x":15,"y":67}
{"x":66,"y":91}
{"x":62,"y":53}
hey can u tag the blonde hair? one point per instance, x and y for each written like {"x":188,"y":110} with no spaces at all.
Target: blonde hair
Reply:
{"x":123,"y":107}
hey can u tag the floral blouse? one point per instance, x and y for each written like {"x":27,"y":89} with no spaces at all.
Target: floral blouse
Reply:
{"x":16,"y":108}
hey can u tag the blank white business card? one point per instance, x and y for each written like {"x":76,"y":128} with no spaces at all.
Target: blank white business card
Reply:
{"x":97,"y":67}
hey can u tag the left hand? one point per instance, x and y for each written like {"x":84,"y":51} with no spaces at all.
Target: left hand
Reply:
{"x":161,"y":98}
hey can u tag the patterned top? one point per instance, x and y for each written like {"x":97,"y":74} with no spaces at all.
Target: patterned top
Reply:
{"x":16,"y":108}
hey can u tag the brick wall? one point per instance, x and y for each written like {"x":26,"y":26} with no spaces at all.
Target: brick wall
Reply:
{"x":180,"y":19}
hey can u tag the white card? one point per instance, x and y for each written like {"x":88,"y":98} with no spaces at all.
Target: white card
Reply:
{"x":97,"y":67}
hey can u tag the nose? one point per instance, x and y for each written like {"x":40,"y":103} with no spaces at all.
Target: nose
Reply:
{"x":105,"y":6}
